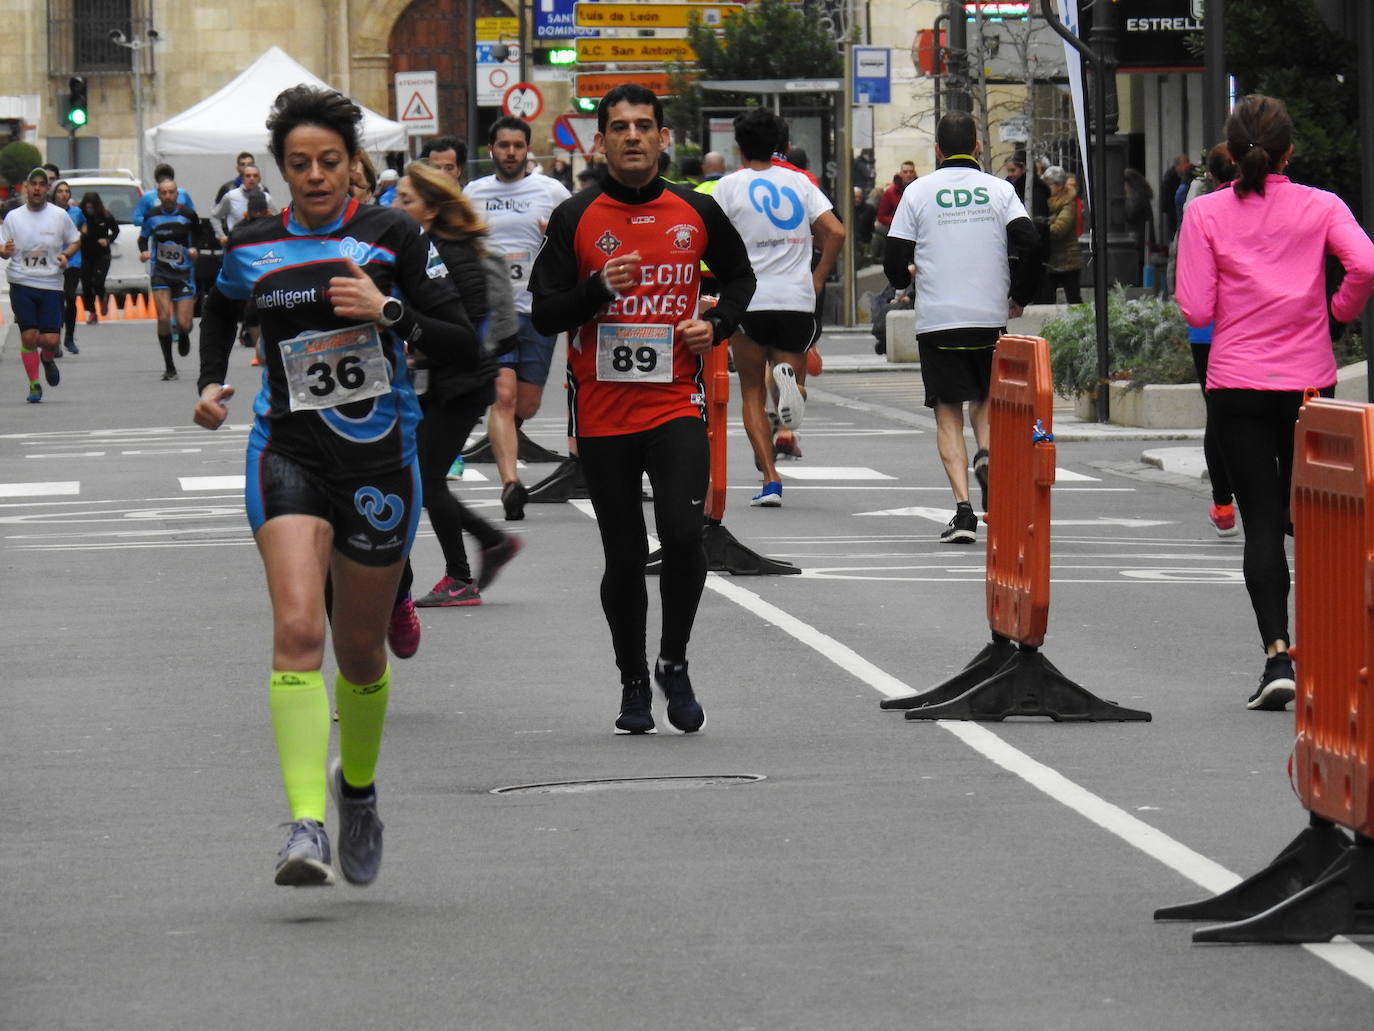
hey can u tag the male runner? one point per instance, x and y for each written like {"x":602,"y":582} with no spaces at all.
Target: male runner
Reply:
{"x":244,"y":160}
{"x":169,"y":230}
{"x":448,"y":154}
{"x":231,"y":208}
{"x":619,"y":268}
{"x":516,"y":206}
{"x":150,"y":198}
{"x":779,"y":212}
{"x":974,"y":250}
{"x":38,"y":238}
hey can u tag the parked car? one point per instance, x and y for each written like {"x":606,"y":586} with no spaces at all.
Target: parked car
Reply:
{"x":120,"y":190}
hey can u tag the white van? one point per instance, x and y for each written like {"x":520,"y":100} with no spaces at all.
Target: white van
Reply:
{"x":120,"y":191}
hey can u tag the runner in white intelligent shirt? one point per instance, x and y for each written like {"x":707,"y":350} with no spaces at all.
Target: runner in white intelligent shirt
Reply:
{"x":516,"y":207}
{"x":975,"y":254}
{"x":38,"y":238}
{"x":778,"y":211}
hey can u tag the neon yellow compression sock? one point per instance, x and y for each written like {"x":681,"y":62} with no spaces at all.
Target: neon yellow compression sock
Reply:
{"x":300,"y":721}
{"x":362,"y":715}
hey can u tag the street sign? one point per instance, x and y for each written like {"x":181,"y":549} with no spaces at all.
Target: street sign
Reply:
{"x":523,"y":100}
{"x":575,"y":132}
{"x":873,"y":75}
{"x":651,"y":15}
{"x":489,"y":30}
{"x":598,"y":84}
{"x":553,"y":19}
{"x":656,"y":51}
{"x":417,"y":102}
{"x":495,"y":77}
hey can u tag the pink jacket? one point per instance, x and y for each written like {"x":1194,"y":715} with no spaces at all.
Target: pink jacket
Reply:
{"x":1255,"y":266}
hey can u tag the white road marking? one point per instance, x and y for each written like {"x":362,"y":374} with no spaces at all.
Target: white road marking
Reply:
{"x":471,"y":475}
{"x":40,"y":490}
{"x":833,"y":472}
{"x":211,"y":482}
{"x":941,"y":516}
{"x":1062,"y":475}
{"x":70,"y":454}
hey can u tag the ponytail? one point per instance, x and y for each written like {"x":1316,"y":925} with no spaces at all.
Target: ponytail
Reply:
{"x":1258,"y":134}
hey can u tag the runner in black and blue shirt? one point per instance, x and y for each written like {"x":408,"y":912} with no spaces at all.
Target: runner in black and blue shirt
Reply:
{"x":168,"y":235}
{"x":332,"y":478}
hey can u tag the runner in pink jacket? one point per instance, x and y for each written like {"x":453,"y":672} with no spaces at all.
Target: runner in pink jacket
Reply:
{"x":1252,"y":258}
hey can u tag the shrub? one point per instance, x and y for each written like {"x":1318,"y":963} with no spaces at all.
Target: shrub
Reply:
{"x":1149,"y":344}
{"x":17,"y":160}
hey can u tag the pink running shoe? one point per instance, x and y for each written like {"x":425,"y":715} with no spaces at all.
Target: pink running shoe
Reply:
{"x":1224,"y":519}
{"x":403,"y":632}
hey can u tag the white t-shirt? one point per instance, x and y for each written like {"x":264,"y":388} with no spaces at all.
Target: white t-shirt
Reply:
{"x":234,"y":205}
{"x":39,"y":237}
{"x":958,"y":219}
{"x":516,"y":213}
{"x":773,"y":210}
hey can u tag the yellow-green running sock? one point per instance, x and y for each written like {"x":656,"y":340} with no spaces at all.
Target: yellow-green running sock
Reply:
{"x":362,"y":715}
{"x":300,"y":721}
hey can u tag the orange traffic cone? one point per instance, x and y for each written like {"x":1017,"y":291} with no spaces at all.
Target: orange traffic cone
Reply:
{"x":80,"y":309}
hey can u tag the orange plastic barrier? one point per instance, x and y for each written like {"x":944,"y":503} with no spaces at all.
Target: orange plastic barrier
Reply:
{"x":1322,"y":883}
{"x":1018,"y":535}
{"x":1010,"y":677}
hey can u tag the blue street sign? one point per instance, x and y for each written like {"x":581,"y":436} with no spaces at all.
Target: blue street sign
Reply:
{"x":872,"y":75}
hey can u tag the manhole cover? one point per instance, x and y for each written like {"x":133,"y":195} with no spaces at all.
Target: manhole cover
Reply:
{"x":575,"y":787}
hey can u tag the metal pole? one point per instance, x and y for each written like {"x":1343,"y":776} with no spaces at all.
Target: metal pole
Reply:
{"x":138,"y":114}
{"x":471,"y":91}
{"x":1364,"y":48}
{"x":844,"y":185}
{"x":520,"y":13}
{"x":935,"y":75}
{"x":957,"y":95}
{"x":1216,"y":99}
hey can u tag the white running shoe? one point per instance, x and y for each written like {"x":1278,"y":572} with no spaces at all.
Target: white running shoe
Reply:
{"x":791,"y":404}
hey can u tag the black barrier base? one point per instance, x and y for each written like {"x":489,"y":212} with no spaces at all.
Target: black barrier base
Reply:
{"x":563,"y":484}
{"x":1301,"y":863}
{"x":1027,"y":684}
{"x":528,"y":451}
{"x":987,"y":662}
{"x":1340,"y":901}
{"x":725,"y":554}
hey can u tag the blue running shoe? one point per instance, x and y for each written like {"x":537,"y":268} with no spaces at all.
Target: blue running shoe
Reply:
{"x":35,"y":392}
{"x":360,"y":831}
{"x":303,"y":861}
{"x":455,"y":471}
{"x":636,"y":709}
{"x":71,"y":347}
{"x":684,"y":711}
{"x":51,"y":373}
{"x":769,"y":497}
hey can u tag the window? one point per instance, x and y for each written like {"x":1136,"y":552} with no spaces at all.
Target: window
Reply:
{"x":79,"y":36}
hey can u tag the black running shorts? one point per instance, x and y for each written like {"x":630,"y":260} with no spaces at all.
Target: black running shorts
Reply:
{"x":790,"y":331}
{"x":956,"y":364}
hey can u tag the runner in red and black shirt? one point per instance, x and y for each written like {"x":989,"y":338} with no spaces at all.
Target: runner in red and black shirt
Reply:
{"x":619,"y":269}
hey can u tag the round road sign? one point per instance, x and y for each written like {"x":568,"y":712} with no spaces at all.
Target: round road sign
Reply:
{"x":523,"y":100}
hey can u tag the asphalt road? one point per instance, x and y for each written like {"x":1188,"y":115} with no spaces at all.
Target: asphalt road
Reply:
{"x":882,"y":874}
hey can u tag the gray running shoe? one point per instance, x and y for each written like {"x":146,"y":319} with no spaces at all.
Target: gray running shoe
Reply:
{"x":360,"y":831}
{"x":303,"y":861}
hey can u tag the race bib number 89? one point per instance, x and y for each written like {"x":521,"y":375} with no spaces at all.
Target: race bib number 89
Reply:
{"x":325,"y":370}
{"x":634,"y":353}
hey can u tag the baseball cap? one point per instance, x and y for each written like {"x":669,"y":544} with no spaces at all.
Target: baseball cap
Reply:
{"x":389,"y":175}
{"x":38,"y":173}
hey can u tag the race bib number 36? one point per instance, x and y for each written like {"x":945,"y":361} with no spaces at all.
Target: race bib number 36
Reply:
{"x":634,"y":353}
{"x":325,"y":370}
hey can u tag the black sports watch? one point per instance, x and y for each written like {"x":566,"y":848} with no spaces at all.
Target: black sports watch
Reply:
{"x":392,"y":310}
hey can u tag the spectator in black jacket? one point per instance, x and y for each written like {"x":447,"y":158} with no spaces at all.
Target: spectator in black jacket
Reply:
{"x":101,"y":231}
{"x":454,"y":399}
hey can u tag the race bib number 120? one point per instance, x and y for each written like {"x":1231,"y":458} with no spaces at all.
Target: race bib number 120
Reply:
{"x":325,"y":370}
{"x":634,"y":353}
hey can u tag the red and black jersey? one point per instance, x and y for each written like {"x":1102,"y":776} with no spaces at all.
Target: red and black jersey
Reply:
{"x":627,"y":370}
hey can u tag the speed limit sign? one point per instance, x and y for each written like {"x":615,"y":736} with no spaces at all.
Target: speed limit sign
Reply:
{"x":523,"y":100}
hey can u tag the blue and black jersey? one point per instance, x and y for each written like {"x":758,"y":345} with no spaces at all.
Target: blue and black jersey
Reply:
{"x":168,"y":237}
{"x":285,"y":268}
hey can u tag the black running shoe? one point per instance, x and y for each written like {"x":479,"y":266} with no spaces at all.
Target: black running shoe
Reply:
{"x":963,"y":528}
{"x":980,"y":471}
{"x":513,"y":496}
{"x":51,"y":372}
{"x":494,"y":558}
{"x":1278,"y":685}
{"x":183,"y":344}
{"x":636,"y":709}
{"x":169,"y":375}
{"x":684,"y":711}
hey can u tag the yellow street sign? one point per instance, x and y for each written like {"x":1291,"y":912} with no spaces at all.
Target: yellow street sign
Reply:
{"x":601,"y":51}
{"x":489,"y":30}
{"x":650,"y":15}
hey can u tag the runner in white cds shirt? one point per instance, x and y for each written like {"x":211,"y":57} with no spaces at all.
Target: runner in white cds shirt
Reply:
{"x":516,"y":207}
{"x":38,"y":238}
{"x":778,"y":211}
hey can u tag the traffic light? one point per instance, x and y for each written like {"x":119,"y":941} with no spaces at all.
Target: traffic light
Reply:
{"x":76,"y":114}
{"x":586,"y":104}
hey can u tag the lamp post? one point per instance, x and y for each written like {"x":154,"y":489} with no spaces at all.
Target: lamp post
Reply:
{"x":137,"y":44}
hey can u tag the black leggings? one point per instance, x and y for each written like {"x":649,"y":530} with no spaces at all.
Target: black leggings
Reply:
{"x":1254,"y":432}
{"x":70,"y":278}
{"x":677,"y":459}
{"x":439,"y":438}
{"x":1216,"y":467}
{"x":1071,"y":280}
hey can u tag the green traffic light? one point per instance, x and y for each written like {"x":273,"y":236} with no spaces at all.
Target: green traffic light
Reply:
{"x":564,"y":56}
{"x":585,"y":103}
{"x":76,"y":117}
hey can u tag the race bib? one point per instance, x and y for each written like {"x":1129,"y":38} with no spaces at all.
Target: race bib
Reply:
{"x":634,"y":353}
{"x":518,"y":264}
{"x":36,"y":258}
{"x":325,"y":370}
{"x":170,"y":254}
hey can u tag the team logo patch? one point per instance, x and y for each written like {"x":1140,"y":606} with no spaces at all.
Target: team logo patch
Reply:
{"x":642,"y":220}
{"x":270,"y":258}
{"x":355,"y":249}
{"x":608,"y":243}
{"x":682,"y":236}
{"x":383,"y":511}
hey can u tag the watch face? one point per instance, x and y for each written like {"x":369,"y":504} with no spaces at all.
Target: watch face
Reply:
{"x":391,"y":309}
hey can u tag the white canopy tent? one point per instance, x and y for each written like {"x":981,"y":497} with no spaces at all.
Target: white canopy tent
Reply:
{"x":202,"y":141}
